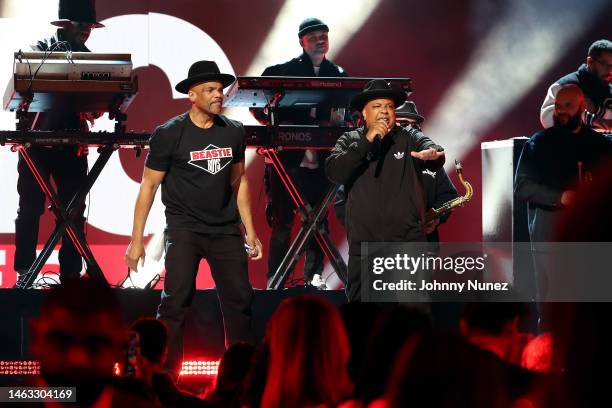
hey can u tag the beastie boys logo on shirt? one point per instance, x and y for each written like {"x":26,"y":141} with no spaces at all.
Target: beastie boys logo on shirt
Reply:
{"x":212,"y":159}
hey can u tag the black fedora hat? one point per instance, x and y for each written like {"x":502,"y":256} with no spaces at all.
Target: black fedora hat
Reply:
{"x":376,"y":89}
{"x":77,"y":11}
{"x":204,"y":71}
{"x":409,"y":111}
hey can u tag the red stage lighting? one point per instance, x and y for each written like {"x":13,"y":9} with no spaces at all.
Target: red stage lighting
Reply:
{"x":207,"y":368}
{"x":204,"y":368}
{"x":19,"y":367}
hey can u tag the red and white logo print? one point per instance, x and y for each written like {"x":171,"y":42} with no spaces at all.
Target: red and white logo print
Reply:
{"x":212,"y":159}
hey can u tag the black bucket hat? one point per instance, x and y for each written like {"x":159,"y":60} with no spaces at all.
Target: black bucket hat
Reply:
{"x":77,"y":11}
{"x":376,"y":89}
{"x":204,"y":71}
{"x":409,"y":111}
{"x":311,"y":24}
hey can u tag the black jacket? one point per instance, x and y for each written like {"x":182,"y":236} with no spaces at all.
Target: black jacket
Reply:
{"x":300,"y":67}
{"x":548,"y":166}
{"x":385,"y":199}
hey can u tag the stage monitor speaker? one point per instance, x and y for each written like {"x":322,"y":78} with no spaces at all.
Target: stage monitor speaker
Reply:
{"x":504,"y":217}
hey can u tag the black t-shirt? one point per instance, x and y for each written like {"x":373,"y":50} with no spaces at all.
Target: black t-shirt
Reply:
{"x":196,"y":190}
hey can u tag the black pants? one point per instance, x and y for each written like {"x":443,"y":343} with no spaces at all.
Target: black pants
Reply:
{"x":354,"y":284}
{"x":68,"y":171}
{"x":313,"y":185}
{"x":544,"y":270}
{"x":228,"y":264}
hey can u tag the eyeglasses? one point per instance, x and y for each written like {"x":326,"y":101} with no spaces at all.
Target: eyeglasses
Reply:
{"x":605,"y":64}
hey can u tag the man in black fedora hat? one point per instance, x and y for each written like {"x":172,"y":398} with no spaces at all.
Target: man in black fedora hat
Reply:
{"x":407,"y":115}
{"x":379,"y":165}
{"x":76,"y":19}
{"x":67,"y":164}
{"x":305,"y":167}
{"x":437,"y":186}
{"x":198,"y":159}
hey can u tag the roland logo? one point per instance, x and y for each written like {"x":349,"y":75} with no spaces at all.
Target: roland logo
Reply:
{"x":294,"y":136}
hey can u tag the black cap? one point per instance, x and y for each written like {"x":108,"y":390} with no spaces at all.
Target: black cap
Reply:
{"x":311,"y":24}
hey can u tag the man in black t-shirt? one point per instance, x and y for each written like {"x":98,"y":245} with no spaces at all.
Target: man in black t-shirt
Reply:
{"x":198,"y":159}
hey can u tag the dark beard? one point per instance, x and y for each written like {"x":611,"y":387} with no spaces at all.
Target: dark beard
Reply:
{"x":572,"y":124}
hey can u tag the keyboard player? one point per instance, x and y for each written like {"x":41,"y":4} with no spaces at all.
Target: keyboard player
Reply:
{"x":304,"y":167}
{"x":67,"y":165}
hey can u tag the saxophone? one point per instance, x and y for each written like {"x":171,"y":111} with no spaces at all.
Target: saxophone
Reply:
{"x":449,"y":206}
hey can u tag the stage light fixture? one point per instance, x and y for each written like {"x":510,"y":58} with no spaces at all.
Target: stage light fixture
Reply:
{"x":19,"y":367}
{"x":208,"y":368}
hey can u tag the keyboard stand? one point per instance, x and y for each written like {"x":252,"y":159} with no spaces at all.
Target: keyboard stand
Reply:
{"x":312,"y":224}
{"x":65,"y":216}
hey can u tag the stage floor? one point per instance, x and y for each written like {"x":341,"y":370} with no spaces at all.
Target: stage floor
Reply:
{"x":203,"y":327}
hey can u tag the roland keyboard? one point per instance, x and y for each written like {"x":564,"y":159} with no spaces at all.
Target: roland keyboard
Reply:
{"x":257,"y":92}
